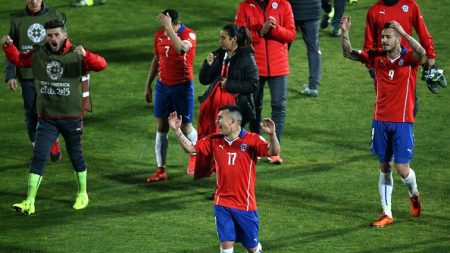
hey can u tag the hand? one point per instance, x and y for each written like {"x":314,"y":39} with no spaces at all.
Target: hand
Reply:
{"x":80,"y":50}
{"x":164,"y":19}
{"x":346,"y":23}
{"x":148,"y":94}
{"x":6,"y":41}
{"x":210,"y":58}
{"x":223,"y":82}
{"x":268,"y":126}
{"x":270,"y":23}
{"x":396,"y":26}
{"x":174,"y":121}
{"x":12,"y":84}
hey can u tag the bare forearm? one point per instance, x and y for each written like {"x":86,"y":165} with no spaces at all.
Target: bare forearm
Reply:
{"x":415,"y":45}
{"x":176,"y":41}
{"x":185,"y":143}
{"x":347,"y":49}
{"x":274,"y":145}
{"x":153,"y":70}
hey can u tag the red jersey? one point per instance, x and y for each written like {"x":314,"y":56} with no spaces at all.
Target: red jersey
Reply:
{"x":395,"y":85}
{"x":405,"y":12}
{"x":175,"y":68}
{"x":235,"y":167}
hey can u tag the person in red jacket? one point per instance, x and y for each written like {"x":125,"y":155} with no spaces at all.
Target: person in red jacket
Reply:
{"x":57,"y":69}
{"x":272,"y":27}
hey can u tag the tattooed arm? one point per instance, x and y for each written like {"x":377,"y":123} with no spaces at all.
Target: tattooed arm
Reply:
{"x":175,"y":123}
{"x":346,"y":45}
{"x":419,"y":51}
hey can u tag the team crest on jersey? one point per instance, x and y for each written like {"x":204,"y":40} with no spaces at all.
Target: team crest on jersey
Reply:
{"x":244,"y":147}
{"x":54,"y":70}
{"x":36,"y":33}
{"x":405,"y":8}
{"x":400,"y":62}
{"x":275,"y":5}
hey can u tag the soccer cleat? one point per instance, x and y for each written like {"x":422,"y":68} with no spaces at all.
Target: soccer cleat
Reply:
{"x":25,"y":207}
{"x":309,"y":92}
{"x":159,"y":175}
{"x":415,"y":205}
{"x":325,"y":21}
{"x":383,"y":220}
{"x":55,"y":152}
{"x":335,"y":31}
{"x":191,"y":166}
{"x":275,"y":159}
{"x":83,"y":3}
{"x":81,"y":201}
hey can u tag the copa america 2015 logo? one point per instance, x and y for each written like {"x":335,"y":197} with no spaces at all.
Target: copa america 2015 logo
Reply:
{"x":36,"y":33}
{"x":54,"y":70}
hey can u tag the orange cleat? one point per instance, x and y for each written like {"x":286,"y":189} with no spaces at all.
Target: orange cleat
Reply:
{"x":275,"y":159}
{"x":55,"y":152}
{"x":191,"y":166}
{"x":382,"y":221}
{"x":159,"y":175}
{"x":415,"y":205}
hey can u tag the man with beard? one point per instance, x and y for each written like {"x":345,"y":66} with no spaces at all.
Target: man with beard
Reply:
{"x":57,"y":68}
{"x":392,"y":126}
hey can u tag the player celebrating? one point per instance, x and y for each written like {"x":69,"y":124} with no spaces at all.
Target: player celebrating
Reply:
{"x":392,"y":128}
{"x":408,"y":14}
{"x":173,"y":61}
{"x":57,"y":69}
{"x":235,"y":153}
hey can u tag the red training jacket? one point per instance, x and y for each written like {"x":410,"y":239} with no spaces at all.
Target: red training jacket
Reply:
{"x":271,"y":51}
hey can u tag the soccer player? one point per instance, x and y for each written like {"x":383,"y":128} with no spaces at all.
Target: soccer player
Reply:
{"x":173,"y":62}
{"x":408,"y":14}
{"x":27,"y":30}
{"x":235,"y":153}
{"x":272,"y":27}
{"x":57,"y":69}
{"x":392,"y":127}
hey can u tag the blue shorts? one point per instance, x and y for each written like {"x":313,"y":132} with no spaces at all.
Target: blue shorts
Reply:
{"x":237,"y":225}
{"x":179,"y":98}
{"x":392,"y":139}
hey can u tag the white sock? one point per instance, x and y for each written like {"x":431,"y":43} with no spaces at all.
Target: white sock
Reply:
{"x":161,"y":144}
{"x":410,"y":182}
{"x":259,"y":248}
{"x":192,"y":136}
{"x":385,"y":186}
{"x":230,"y":250}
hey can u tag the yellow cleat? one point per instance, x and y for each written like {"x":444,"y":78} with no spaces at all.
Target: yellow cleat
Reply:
{"x":81,"y":201}
{"x":26,"y":207}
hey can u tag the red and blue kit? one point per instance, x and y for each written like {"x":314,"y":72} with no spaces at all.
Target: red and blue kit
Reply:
{"x":175,"y":68}
{"x":235,"y":167}
{"x":407,"y":14}
{"x":394,"y":82}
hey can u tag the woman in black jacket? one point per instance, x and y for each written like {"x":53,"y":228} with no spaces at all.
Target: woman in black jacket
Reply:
{"x":233,"y":67}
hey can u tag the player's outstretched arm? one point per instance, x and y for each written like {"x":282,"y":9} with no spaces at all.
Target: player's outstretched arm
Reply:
{"x":347,"y":49}
{"x":175,"y":124}
{"x":268,"y":126}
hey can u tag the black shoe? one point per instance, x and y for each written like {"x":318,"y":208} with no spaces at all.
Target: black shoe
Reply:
{"x":325,"y":21}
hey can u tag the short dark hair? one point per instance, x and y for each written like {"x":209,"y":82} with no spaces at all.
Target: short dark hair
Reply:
{"x":234,"y":110}
{"x":54,"y":24}
{"x":387,"y":25}
{"x":173,"y":14}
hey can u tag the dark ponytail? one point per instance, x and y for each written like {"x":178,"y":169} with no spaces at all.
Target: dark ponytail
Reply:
{"x":242,"y":34}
